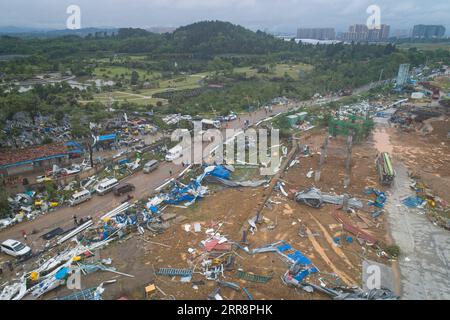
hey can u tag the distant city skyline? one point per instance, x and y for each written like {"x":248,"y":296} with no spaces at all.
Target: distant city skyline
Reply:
{"x":275,"y":16}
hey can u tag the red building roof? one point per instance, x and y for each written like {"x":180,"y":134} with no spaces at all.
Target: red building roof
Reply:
{"x":9,"y":157}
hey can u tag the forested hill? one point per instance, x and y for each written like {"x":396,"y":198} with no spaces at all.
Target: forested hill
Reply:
{"x":201,"y":38}
{"x":216,"y":37}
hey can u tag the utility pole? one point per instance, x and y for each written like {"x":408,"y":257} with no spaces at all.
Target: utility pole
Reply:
{"x":381,"y":74}
{"x":323,"y":155}
{"x":348,"y":161}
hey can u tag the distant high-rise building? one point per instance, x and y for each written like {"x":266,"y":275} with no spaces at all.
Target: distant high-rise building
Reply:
{"x":403,"y":74}
{"x":401,"y":33}
{"x":385,"y":29}
{"x":316,"y":33}
{"x":358,"y":28}
{"x":360,"y":32}
{"x":422,"y":31}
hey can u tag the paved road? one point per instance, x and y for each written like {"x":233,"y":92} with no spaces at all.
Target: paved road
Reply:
{"x":145,"y":185}
{"x":424,"y":264}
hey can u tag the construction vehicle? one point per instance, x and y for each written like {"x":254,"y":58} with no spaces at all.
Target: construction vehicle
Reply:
{"x":385,"y":170}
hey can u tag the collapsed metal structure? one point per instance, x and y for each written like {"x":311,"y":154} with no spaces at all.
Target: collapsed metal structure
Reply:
{"x":315,"y":198}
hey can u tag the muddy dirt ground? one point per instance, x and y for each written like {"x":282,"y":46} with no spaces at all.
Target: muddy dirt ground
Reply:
{"x":308,"y":230}
{"x":426,"y":155}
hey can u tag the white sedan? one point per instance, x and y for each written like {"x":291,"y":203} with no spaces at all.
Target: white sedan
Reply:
{"x":15,"y":248}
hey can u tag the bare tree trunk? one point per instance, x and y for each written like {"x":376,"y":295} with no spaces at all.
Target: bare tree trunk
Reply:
{"x":91,"y":155}
{"x":348,"y":161}
{"x":88,"y":145}
{"x":323,"y":155}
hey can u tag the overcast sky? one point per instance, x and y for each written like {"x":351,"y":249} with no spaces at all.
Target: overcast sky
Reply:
{"x":273,"y":15}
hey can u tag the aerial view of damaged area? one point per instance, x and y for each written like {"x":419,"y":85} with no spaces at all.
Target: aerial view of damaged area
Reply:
{"x":206,"y":159}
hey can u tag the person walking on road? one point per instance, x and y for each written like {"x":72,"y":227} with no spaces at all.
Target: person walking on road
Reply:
{"x":24,"y":235}
{"x":75,"y":220}
{"x":170,"y":172}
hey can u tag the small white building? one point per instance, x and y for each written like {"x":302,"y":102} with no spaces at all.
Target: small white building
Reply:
{"x":417,"y":95}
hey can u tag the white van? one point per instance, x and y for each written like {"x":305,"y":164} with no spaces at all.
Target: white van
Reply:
{"x":106,"y":185}
{"x":150,"y":166}
{"x":210,"y":124}
{"x":79,"y":197}
{"x":174,"y":153}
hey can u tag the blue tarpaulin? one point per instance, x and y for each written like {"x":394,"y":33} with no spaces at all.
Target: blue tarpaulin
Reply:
{"x":297,"y":258}
{"x":413,"y":202}
{"x":107,"y":137}
{"x":303,"y":274}
{"x":62,"y":273}
{"x":191,"y":192}
{"x":30,"y":193}
{"x":154,"y":209}
{"x":123,"y":161}
{"x":184,"y":194}
{"x":379,"y":201}
{"x":221,"y":172}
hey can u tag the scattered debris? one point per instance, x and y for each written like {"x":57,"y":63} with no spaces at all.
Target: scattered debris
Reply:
{"x":249,"y":276}
{"x":313,"y":197}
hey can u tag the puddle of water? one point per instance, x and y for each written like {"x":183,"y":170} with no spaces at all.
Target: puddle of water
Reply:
{"x":382,"y":142}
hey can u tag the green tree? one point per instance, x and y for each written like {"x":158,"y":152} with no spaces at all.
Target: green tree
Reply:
{"x":134,"y":78}
{"x":4,"y":205}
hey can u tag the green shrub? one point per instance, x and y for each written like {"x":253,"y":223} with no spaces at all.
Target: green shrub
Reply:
{"x":393,"y":250}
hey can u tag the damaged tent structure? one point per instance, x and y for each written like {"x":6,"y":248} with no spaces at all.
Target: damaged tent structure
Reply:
{"x":188,"y":194}
{"x":234,"y":184}
{"x":315,"y":198}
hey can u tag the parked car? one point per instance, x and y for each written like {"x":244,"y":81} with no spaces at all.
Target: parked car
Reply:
{"x":230,"y":117}
{"x":15,"y":248}
{"x":4,"y":223}
{"x":106,"y":185}
{"x":151,"y":166}
{"x":123,"y":188}
{"x":174,"y":153}
{"x":79,"y":197}
{"x":220,"y":118}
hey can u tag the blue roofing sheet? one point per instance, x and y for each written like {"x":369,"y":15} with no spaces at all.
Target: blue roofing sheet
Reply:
{"x":107,"y":137}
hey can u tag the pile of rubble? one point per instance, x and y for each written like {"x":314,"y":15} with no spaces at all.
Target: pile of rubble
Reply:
{"x":436,"y":208}
{"x":31,"y":132}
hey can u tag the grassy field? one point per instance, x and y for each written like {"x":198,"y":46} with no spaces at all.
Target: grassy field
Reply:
{"x":179,"y":83}
{"x":122,"y":96}
{"x":425,"y":46}
{"x":112,"y":72}
{"x":279,"y":71}
{"x":120,"y":58}
{"x":144,"y":96}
